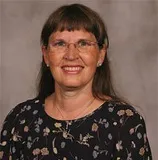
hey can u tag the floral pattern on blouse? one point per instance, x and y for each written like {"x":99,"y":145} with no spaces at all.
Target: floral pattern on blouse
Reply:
{"x":114,"y":131}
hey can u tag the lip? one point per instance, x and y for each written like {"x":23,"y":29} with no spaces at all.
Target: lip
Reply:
{"x":72,"y":69}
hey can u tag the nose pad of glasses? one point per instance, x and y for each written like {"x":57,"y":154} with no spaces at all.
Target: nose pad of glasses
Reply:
{"x":71,"y":44}
{"x":72,"y":52}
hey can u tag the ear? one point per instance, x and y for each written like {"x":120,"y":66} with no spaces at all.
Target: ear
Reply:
{"x":45,"y":55}
{"x":102,"y":55}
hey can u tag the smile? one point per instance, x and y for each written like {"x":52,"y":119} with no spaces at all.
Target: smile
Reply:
{"x":73,"y":69}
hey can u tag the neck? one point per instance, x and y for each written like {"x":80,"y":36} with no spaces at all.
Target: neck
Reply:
{"x":69,"y":105}
{"x":71,"y":100}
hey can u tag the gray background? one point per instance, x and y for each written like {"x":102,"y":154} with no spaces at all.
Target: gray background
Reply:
{"x":133,"y":53}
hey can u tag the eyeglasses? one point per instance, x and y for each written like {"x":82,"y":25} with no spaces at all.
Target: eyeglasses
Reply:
{"x":62,"y":46}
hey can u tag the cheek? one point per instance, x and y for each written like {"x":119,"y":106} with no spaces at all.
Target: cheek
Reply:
{"x":92,"y":60}
{"x":54,"y":60}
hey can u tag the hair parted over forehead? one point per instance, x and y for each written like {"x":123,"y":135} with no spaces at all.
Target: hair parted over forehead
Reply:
{"x":75,"y":17}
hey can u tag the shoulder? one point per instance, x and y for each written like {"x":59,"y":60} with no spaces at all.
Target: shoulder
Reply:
{"x":122,"y":113}
{"x":21,"y":110}
{"x":120,"y":108}
{"x":15,"y":126}
{"x":130,"y":131}
{"x":25,"y":106}
{"x":127,"y":122}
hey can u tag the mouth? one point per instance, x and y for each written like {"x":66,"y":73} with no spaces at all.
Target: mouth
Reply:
{"x":72,"y":69}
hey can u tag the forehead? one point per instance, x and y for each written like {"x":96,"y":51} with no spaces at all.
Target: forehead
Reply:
{"x":72,"y":35}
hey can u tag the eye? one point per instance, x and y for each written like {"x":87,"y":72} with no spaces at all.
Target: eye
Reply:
{"x":58,"y":44}
{"x":84,"y":43}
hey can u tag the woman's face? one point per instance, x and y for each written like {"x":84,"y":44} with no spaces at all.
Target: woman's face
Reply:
{"x":73,"y":57}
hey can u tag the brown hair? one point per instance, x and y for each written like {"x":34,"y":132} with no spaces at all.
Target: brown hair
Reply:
{"x":76,"y":17}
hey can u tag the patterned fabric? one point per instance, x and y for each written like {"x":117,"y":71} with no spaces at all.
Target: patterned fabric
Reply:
{"x":114,"y":131}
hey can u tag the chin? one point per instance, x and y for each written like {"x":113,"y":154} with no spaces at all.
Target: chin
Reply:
{"x":72,"y":85}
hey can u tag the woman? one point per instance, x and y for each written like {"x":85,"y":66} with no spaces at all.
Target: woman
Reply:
{"x":76,"y":114}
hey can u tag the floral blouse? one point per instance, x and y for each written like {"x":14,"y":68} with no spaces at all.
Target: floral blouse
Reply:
{"x":114,"y":131}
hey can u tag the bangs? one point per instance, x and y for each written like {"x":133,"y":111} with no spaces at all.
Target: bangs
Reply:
{"x":74,"y":17}
{"x":75,"y":21}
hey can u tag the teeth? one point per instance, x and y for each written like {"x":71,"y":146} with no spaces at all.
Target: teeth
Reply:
{"x":72,"y":68}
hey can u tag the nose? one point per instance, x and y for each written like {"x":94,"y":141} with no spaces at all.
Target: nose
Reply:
{"x":72,"y":52}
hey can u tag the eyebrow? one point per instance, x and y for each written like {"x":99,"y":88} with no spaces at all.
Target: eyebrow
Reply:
{"x":81,"y":39}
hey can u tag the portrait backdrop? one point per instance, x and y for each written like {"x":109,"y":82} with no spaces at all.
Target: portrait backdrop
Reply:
{"x":133,"y":54}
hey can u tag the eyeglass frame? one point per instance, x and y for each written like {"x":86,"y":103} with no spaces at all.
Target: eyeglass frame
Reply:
{"x":76,"y":45}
